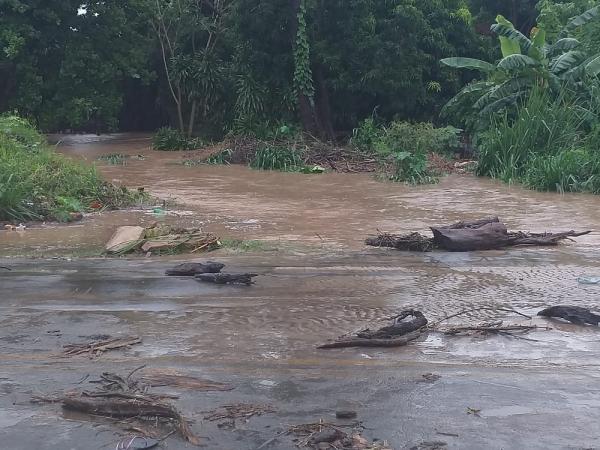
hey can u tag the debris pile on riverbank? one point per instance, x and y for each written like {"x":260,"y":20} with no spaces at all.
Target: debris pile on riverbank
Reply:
{"x":484,"y":234}
{"x":160,"y":238}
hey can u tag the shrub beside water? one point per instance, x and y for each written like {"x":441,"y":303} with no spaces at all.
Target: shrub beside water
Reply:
{"x":37,"y":183}
{"x":550,"y":145}
{"x":273,"y":157}
{"x":403,"y":147}
{"x":170,"y":139}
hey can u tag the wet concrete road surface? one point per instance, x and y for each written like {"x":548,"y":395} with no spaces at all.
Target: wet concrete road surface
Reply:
{"x":532,"y":394}
{"x":535,"y":393}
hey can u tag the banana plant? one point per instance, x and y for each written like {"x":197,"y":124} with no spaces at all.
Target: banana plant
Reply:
{"x":527,"y":62}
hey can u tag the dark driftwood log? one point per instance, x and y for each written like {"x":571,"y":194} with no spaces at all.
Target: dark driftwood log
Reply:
{"x":119,"y":407}
{"x":484,"y":234}
{"x":358,"y":342}
{"x":491,"y":234}
{"x":227,"y":278}
{"x":488,"y":236}
{"x":191,"y":269}
{"x":123,"y":408}
{"x":401,"y":326}
{"x":574,"y":314}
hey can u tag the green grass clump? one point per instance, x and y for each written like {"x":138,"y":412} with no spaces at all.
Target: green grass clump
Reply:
{"x":273,"y":157}
{"x":241,"y":245}
{"x":223,"y":157}
{"x":36,"y":183}
{"x":115,"y":159}
{"x":549,"y":145}
{"x":169,"y":139}
{"x":21,"y":132}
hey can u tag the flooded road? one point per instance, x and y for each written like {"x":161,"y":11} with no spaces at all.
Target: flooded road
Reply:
{"x":535,"y":393}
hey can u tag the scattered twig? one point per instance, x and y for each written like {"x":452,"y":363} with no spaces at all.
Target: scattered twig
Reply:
{"x":238,"y":411}
{"x":267,"y":442}
{"x":96,"y":348}
{"x":495,"y":329}
{"x":483,"y":308}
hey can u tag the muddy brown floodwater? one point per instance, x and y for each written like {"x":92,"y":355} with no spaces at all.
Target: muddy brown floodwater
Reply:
{"x":316,"y":282}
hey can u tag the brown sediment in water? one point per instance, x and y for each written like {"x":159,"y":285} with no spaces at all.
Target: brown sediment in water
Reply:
{"x":335,"y":209}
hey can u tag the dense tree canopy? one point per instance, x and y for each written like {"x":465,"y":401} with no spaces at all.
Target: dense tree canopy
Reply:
{"x":232,"y":64}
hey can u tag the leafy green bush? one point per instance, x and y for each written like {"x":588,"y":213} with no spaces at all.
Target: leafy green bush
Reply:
{"x":170,"y":139}
{"x":272,"y":157}
{"x":410,"y":168}
{"x":366,"y":135}
{"x":406,"y":137}
{"x":45,"y":185}
{"x":20,"y":131}
{"x":404,"y":147}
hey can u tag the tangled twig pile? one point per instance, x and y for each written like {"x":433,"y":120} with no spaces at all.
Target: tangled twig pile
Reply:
{"x":125,"y":398}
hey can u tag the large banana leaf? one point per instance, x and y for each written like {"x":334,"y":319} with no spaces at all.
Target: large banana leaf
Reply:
{"x":566,"y":61}
{"x":468,"y":63}
{"x":564,"y":45}
{"x":592,"y":68}
{"x":517,"y":62}
{"x":506,"y":89}
{"x":538,"y":48}
{"x":579,"y":71}
{"x":502,"y":103}
{"x":582,"y":19}
{"x":506,"y":30}
{"x":470,"y":88}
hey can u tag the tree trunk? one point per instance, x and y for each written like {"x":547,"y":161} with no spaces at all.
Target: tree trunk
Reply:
{"x":323,"y":106}
{"x":180,"y":110}
{"x":192,"y":119}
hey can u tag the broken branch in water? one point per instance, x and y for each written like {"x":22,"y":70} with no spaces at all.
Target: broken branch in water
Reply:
{"x":96,"y":348}
{"x":360,"y":342}
{"x":124,"y":398}
{"x":399,"y":333}
{"x":131,"y":408}
{"x":483,"y":308}
{"x":508,"y":329}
